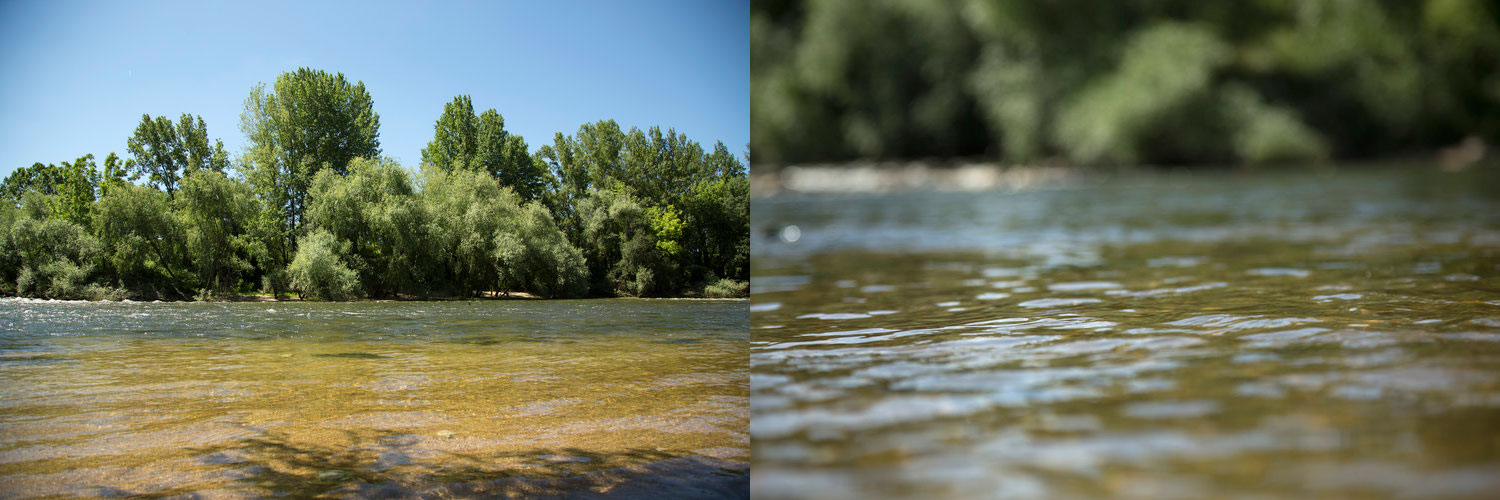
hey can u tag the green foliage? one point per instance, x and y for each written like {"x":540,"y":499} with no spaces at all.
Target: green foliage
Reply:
{"x":144,"y":243}
{"x":535,"y":256}
{"x":462,"y":141}
{"x":467,"y":209}
{"x":53,"y":257}
{"x":311,"y":207}
{"x":318,"y":270}
{"x":620,"y":246}
{"x":69,"y":188}
{"x":875,"y":79}
{"x":38,"y":176}
{"x":216,"y":213}
{"x":455,"y":141}
{"x":651,"y":211}
{"x":1135,"y":81}
{"x":1268,"y":134}
{"x":666,"y":227}
{"x":313,"y":121}
{"x":376,"y":210}
{"x":163,"y":152}
{"x":727,"y":288}
{"x":10,"y":261}
{"x":1162,"y":69}
{"x":717,"y":215}
{"x":74,"y":184}
{"x":113,"y":174}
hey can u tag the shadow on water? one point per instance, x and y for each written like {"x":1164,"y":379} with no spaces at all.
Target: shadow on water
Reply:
{"x":381,"y":464}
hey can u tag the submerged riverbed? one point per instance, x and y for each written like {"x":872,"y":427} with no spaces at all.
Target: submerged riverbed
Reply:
{"x":1205,"y":335}
{"x":630,"y":398}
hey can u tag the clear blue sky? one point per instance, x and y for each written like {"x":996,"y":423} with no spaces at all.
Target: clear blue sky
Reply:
{"x":76,"y":76}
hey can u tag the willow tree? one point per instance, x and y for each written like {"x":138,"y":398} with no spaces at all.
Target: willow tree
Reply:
{"x":216,"y":212}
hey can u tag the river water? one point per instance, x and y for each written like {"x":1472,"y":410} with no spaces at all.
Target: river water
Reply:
{"x":625,"y":398}
{"x":1163,"y":335}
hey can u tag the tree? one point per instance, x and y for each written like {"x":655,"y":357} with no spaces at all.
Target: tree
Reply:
{"x":144,"y":243}
{"x":455,"y":137}
{"x":467,"y":209}
{"x":39,"y":176}
{"x":535,"y":256}
{"x":374,"y":208}
{"x":318,"y":270}
{"x":216,"y":213}
{"x":718,"y":216}
{"x":75,"y":185}
{"x":114,"y":173}
{"x":620,"y":246}
{"x":462,"y":141}
{"x":163,"y":152}
{"x":313,"y":120}
{"x":54,"y":257}
{"x":506,"y":156}
{"x":69,"y":189}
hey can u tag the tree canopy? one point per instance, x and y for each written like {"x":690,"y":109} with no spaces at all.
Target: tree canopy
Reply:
{"x":311,"y":207}
{"x":463,"y":141}
{"x":1123,"y":82}
{"x":164,"y":152}
{"x":310,"y":121}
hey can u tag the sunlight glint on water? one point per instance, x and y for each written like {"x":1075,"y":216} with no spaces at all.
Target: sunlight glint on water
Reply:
{"x":459,"y":398}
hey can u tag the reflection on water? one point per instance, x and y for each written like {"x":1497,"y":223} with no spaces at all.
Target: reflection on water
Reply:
{"x":635,"y":398}
{"x":1154,"y":337}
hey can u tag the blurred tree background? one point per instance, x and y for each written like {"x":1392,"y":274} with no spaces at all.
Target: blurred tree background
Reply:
{"x":1121,"y":82}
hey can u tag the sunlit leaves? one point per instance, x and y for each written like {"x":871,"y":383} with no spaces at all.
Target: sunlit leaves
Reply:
{"x":164,"y":151}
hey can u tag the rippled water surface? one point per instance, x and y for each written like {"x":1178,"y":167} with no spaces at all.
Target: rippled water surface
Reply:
{"x":1218,"y":335}
{"x":629,"y":398}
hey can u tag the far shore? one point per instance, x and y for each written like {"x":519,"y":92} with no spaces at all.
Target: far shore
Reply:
{"x":263,"y":297}
{"x":979,"y":174}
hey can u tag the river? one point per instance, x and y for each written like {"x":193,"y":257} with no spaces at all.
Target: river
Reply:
{"x":624,"y":398}
{"x":1206,"y":334}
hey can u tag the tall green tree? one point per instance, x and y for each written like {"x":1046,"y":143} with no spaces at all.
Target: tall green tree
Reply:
{"x":68,"y":190}
{"x":376,"y":211}
{"x":216,"y":213}
{"x":463,"y":141}
{"x":311,"y":120}
{"x":76,"y":188}
{"x":144,"y":242}
{"x":39,"y":176}
{"x":717,"y":213}
{"x":115,"y":172}
{"x":467,"y":208}
{"x":620,"y":245}
{"x":455,"y":138}
{"x":164,"y":151}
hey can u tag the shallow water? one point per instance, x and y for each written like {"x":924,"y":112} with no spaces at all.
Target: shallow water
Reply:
{"x":1213,"y":335}
{"x":632,"y":397}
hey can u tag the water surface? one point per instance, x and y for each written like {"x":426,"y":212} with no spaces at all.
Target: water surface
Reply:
{"x":620,"y":398}
{"x":1213,"y":335}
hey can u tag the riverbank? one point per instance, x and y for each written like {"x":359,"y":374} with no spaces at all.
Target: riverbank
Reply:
{"x":716,"y":291}
{"x":973,"y":175}
{"x":264,"y":299}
